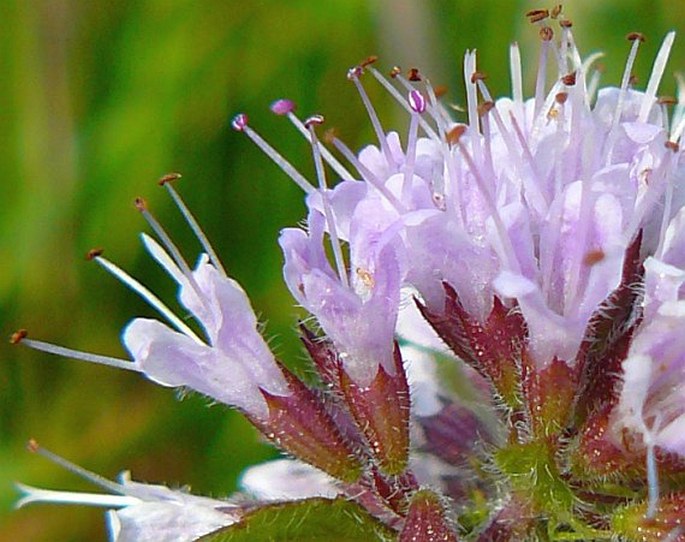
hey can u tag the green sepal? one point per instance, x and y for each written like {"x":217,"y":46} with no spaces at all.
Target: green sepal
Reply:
{"x":308,"y":520}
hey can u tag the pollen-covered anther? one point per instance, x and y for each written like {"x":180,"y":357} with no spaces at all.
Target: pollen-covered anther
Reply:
{"x":537,"y":15}
{"x":561,"y":97}
{"x":368,"y":61}
{"x":478,"y":76}
{"x":239,"y":122}
{"x":168,"y":178}
{"x":593,"y":257}
{"x":94,"y":253}
{"x":314,"y":120}
{"x":395,"y":71}
{"x":440,"y":90}
{"x":454,"y":135}
{"x":672,"y":145}
{"x":366,"y":277}
{"x":546,"y":33}
{"x":633,"y":36}
{"x":565,"y":23}
{"x":18,"y":336}
{"x":667,"y":100}
{"x":417,"y":101}
{"x":414,"y":75}
{"x":569,"y":79}
{"x":33,"y":446}
{"x":633,"y":80}
{"x":485,"y":107}
{"x":556,"y":11}
{"x":141,"y":204}
{"x":283,"y":106}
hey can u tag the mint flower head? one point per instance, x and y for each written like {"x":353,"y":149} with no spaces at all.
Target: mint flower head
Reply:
{"x":497,"y":303}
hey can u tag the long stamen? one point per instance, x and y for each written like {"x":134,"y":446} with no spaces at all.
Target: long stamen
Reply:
{"x":655,"y":77}
{"x":239,"y":124}
{"x":144,"y":293}
{"x":353,"y":75}
{"x":192,"y":222}
{"x":176,"y":255}
{"x":546,"y":35}
{"x":330,"y":220}
{"x":96,"y":479}
{"x":636,"y":38}
{"x":19,"y":337}
{"x":287,"y":108}
{"x":418,"y":105}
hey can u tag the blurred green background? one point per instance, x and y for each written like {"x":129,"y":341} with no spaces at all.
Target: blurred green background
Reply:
{"x":98,"y":99}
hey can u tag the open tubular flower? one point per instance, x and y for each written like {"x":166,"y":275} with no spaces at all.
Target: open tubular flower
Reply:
{"x":498,"y":302}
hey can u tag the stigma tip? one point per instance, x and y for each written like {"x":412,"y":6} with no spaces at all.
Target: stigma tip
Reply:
{"x":94,"y":253}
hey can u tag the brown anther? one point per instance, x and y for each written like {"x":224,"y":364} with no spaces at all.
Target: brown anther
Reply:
{"x":633,"y":80}
{"x":546,"y":33}
{"x":537,"y":12}
{"x":368,"y":61}
{"x":561,"y":97}
{"x":672,"y":145}
{"x":32,"y":446}
{"x":140,"y":204}
{"x":593,"y":257}
{"x":633,"y":36}
{"x":484,"y":108}
{"x":565,"y":23}
{"x":173,"y":176}
{"x":537,"y":15}
{"x":569,"y":79}
{"x":94,"y":253}
{"x":666,"y":100}
{"x":395,"y":71}
{"x":478,"y":76}
{"x":556,"y":11}
{"x":454,"y":135}
{"x":366,"y":277}
{"x":414,"y":75}
{"x":330,"y":135}
{"x":440,"y":90}
{"x":18,"y":336}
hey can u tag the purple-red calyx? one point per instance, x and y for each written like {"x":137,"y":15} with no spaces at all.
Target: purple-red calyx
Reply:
{"x":497,"y":310}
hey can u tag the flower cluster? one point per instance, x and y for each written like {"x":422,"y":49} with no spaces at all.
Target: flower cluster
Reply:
{"x":499,"y":305}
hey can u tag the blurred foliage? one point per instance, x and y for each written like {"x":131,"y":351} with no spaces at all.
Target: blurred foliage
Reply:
{"x":98,"y":99}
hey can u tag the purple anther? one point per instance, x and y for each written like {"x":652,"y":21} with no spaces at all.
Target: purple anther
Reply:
{"x":314,"y":120}
{"x":355,"y":72}
{"x":283,"y":107}
{"x":239,"y":122}
{"x":416,"y":101}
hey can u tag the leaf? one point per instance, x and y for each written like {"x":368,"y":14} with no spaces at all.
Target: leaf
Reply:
{"x":312,"y":519}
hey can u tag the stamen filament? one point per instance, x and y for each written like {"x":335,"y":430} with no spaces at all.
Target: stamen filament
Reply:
{"x":240,"y":125}
{"x":197,"y":230}
{"x":79,"y":355}
{"x":170,"y":246}
{"x":375,"y":121}
{"x":327,"y":155}
{"x":652,"y":483}
{"x":96,"y":479}
{"x":330,"y":219}
{"x":147,"y":296}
